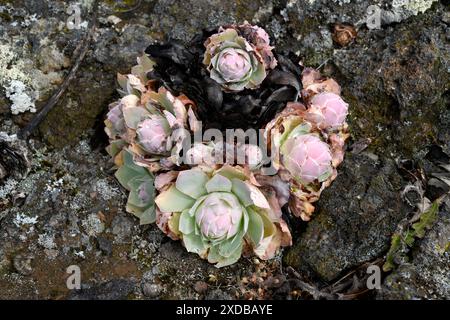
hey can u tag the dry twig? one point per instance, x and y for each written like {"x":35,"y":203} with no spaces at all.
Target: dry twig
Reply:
{"x":82,"y":48}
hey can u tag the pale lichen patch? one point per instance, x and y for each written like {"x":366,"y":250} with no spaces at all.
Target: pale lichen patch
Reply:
{"x":22,"y":219}
{"x":105,"y":190}
{"x":93,"y":225}
{"x":15,"y":82}
{"x":414,"y":6}
{"x":47,"y":240}
{"x":21,"y":100}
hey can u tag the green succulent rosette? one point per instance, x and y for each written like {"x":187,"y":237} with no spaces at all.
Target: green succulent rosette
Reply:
{"x":220,"y":214}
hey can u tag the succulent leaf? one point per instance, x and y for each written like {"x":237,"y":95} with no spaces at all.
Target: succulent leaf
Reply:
{"x":229,"y":246}
{"x":187,"y":222}
{"x":129,"y":170}
{"x":192,"y":182}
{"x":173,"y":200}
{"x":328,"y":110}
{"x":218,"y":183}
{"x":218,"y":210}
{"x":256,"y":227}
{"x":133,"y":116}
{"x":140,"y":182}
{"x":194,"y":243}
{"x":148,"y":216}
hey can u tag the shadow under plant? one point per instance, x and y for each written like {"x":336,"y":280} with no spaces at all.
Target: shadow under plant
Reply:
{"x":67,"y":209}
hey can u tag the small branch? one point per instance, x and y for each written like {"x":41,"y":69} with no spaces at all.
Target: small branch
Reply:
{"x":83,"y":48}
{"x":312,"y":290}
{"x":342,"y":289}
{"x":136,"y":6}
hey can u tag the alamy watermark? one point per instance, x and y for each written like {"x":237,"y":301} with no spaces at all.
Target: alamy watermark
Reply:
{"x":74,"y":20}
{"x":73,"y":282}
{"x":374,"y":280}
{"x":373,"y":18}
{"x":234,"y":146}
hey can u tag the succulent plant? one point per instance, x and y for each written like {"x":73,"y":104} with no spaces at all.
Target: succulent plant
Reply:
{"x":301,"y":156}
{"x":307,"y":158}
{"x":219,"y":214}
{"x":149,"y":122}
{"x":239,"y":60}
{"x":308,"y":143}
{"x":328,"y":110}
{"x":139,"y":181}
{"x":135,"y":82}
{"x":216,"y":197}
{"x":298,"y":145}
{"x":313,"y":83}
{"x":260,"y":41}
{"x":181,"y":68}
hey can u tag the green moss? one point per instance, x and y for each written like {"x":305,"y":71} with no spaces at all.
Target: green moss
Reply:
{"x":311,"y":54}
{"x":401,"y":242}
{"x":4,"y":269}
{"x":426,"y":220}
{"x":396,"y":244}
{"x":372,"y":116}
{"x":76,"y":113}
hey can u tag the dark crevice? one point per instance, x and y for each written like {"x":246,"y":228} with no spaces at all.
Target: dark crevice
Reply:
{"x":99,"y":139}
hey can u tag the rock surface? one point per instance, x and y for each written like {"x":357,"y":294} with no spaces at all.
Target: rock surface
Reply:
{"x":354,"y":226}
{"x":69,"y":210}
{"x":426,"y":275}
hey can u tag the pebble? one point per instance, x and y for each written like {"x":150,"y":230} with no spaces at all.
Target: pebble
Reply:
{"x":200,"y":287}
{"x":151,"y":290}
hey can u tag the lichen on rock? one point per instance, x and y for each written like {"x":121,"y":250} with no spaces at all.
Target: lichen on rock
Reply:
{"x":15,"y":82}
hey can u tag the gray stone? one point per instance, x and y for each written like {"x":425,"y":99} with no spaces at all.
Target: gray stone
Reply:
{"x":121,"y":228}
{"x":217,"y":294}
{"x":171,"y":251}
{"x":355,"y":219}
{"x":201,"y":287}
{"x":151,"y":290}
{"x":22,"y":264}
{"x":394,"y":78}
{"x":105,"y":245}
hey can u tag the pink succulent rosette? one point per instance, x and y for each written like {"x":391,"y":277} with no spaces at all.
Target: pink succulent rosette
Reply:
{"x":308,"y":142}
{"x":313,"y":83}
{"x":327,"y":110}
{"x":146,"y":120}
{"x":239,"y":56}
